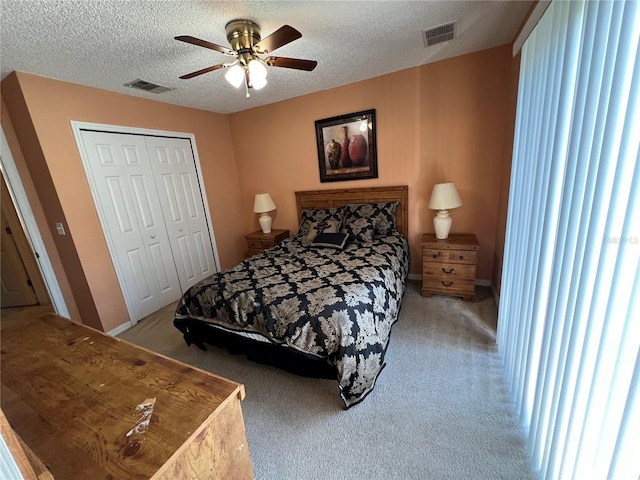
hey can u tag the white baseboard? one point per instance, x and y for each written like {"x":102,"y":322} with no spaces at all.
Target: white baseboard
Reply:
{"x":118,"y":330}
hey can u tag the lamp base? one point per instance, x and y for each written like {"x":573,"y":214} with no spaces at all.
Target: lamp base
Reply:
{"x":265,"y":222}
{"x":442,"y":224}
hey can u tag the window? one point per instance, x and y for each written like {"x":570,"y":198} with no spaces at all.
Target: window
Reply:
{"x":569,"y":321}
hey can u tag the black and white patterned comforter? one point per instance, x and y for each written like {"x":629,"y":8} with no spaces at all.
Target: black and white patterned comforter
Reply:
{"x":333,"y":304}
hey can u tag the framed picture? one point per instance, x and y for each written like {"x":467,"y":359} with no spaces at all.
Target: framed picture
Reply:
{"x":347,"y":147}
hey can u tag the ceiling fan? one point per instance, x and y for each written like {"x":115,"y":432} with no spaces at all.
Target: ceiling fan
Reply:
{"x":247,"y":46}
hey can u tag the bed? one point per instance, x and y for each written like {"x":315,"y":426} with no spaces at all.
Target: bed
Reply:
{"x":314,"y":304}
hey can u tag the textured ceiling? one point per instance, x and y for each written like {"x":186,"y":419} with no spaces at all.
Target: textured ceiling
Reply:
{"x":107,"y":43}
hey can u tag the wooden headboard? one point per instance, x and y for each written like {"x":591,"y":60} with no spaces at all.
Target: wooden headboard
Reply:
{"x":314,"y":199}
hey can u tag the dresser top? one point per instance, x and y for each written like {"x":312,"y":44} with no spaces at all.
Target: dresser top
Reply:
{"x":77,"y":397}
{"x":458,"y":241}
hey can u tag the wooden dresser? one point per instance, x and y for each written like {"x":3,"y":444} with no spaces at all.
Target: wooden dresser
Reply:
{"x":91,"y":406}
{"x":449,"y":266}
{"x":258,"y":241}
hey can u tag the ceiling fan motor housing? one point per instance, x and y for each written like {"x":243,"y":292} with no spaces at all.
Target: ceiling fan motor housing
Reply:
{"x":242,"y":34}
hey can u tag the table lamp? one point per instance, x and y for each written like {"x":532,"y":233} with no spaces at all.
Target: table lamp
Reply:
{"x":263,"y":204}
{"x":443,"y":198}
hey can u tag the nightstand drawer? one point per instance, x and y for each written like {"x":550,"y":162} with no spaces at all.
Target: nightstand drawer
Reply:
{"x":449,"y":269}
{"x":449,"y":285}
{"x":259,"y":241}
{"x":450,"y":256}
{"x":260,"y":244}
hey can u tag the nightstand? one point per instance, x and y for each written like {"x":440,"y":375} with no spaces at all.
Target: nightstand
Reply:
{"x":258,"y":241}
{"x":449,"y":266}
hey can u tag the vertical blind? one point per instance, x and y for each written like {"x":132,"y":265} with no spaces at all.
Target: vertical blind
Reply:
{"x":569,"y":316}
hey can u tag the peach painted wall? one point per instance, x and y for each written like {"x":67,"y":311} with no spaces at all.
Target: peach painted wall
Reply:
{"x":446,"y":121}
{"x":48,"y":108}
{"x":449,"y":120}
{"x":38,"y":209}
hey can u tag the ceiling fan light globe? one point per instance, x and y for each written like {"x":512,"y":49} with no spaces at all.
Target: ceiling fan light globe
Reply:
{"x":257,"y":69}
{"x":258,"y":83}
{"x":235,"y":75}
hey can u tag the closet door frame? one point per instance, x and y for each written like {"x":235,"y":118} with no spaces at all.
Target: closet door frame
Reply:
{"x":77,"y":128}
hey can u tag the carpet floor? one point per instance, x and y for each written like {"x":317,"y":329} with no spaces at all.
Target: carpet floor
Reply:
{"x":440,"y":408}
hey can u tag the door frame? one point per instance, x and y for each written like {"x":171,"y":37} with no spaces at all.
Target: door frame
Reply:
{"x":77,"y":127}
{"x":30,"y":227}
{"x":32,"y":285}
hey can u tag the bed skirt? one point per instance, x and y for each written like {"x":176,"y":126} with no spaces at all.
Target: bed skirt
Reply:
{"x":199,"y":333}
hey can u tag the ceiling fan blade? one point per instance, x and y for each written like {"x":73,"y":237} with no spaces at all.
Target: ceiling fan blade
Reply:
{"x":280,"y":37}
{"x":204,"y":70}
{"x":205,"y":44}
{"x":296,"y":63}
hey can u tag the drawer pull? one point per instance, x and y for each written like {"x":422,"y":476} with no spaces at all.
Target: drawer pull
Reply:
{"x":450,"y":270}
{"x":446,"y":284}
{"x":435,"y":255}
{"x":461,"y":257}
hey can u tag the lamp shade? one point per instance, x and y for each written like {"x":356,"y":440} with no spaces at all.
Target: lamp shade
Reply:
{"x":263,"y":203}
{"x":259,"y":82}
{"x":235,"y":75}
{"x":444,"y":197}
{"x":257,"y":69}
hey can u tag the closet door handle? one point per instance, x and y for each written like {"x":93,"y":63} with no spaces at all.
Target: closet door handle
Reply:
{"x":180,"y":229}
{"x":153,"y":236}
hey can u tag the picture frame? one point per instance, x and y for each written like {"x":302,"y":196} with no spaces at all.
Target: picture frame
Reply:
{"x":347,"y":147}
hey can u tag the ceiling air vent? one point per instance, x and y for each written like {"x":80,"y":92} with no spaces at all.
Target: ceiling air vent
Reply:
{"x":439,"y":34}
{"x":147,"y":86}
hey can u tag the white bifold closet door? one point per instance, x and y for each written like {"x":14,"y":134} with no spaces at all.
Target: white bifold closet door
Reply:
{"x":148,"y":197}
